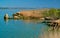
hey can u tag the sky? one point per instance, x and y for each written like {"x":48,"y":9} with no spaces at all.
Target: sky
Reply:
{"x":30,"y":3}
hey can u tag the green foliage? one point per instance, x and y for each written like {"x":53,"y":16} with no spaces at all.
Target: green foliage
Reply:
{"x":52,"y":13}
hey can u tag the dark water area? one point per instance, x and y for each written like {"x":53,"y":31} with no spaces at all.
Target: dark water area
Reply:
{"x":24,"y":28}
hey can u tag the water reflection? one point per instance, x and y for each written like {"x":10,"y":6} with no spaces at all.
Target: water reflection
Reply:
{"x":36,"y":30}
{"x":27,"y":21}
{"x":6,"y":20}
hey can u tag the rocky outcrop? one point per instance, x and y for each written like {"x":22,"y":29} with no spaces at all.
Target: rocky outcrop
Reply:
{"x":6,"y":16}
{"x":32,"y":13}
{"x":58,"y":21}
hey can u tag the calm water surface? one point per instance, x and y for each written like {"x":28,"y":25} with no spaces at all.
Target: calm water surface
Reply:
{"x":24,"y":28}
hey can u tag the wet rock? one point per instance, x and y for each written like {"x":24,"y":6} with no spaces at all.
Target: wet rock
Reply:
{"x":6,"y":16}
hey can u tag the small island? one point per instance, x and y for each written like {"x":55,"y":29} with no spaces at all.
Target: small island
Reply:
{"x":50,"y":16}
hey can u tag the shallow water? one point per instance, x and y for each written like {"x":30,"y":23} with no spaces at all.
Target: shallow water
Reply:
{"x":24,"y":28}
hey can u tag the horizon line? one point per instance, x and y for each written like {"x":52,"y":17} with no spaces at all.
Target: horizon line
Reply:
{"x":19,"y":8}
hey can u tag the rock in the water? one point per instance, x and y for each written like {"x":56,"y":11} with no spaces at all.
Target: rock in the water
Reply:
{"x":6,"y":16}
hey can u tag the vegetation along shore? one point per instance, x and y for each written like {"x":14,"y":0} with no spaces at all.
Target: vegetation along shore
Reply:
{"x":50,"y":16}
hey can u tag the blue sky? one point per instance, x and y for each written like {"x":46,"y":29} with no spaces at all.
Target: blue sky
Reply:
{"x":30,"y":3}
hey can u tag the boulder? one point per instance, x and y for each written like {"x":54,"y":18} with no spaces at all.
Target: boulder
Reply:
{"x":6,"y":16}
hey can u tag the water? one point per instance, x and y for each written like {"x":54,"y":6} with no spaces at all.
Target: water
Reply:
{"x":23,"y":28}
